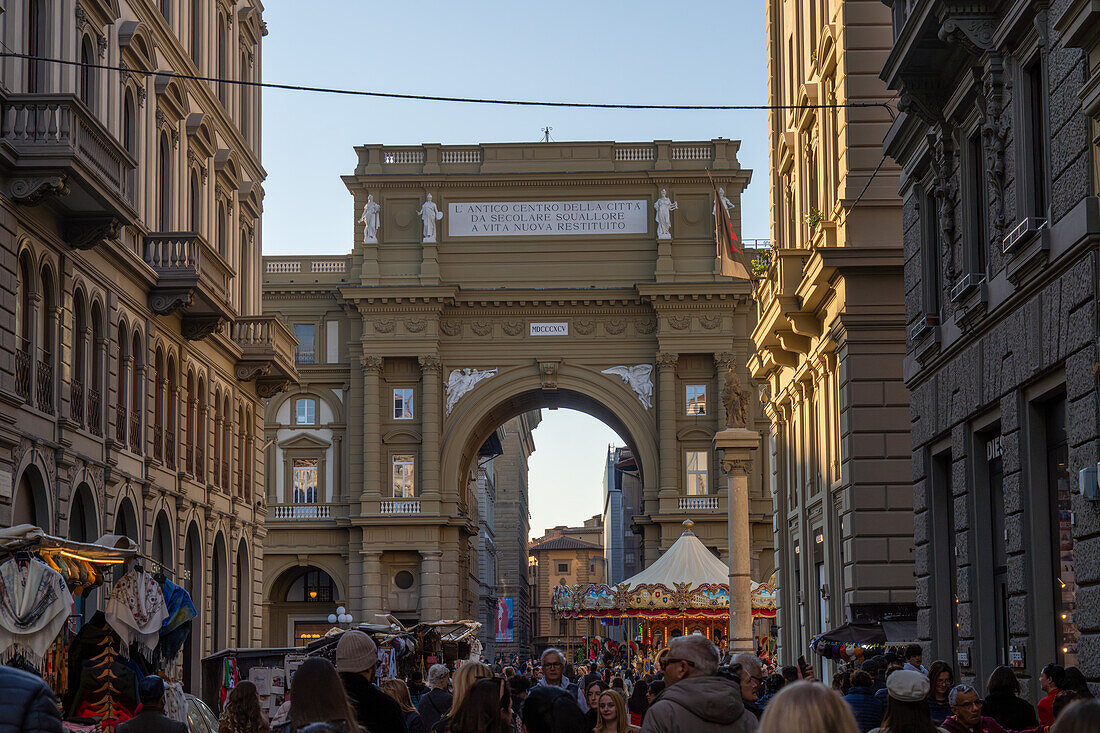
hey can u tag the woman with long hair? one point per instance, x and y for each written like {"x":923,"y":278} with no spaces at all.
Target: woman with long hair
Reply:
{"x":461,"y":682}
{"x":594,"y":685}
{"x":808,"y":707}
{"x":613,"y":717}
{"x":907,"y":704}
{"x":399,"y":691}
{"x":242,"y":712}
{"x":317,"y":696}
{"x":485,"y":708}
{"x":637,"y":704}
{"x":1003,"y":703}
{"x":940,"y":681}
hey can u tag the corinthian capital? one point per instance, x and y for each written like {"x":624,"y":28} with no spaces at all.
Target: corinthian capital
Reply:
{"x":430,"y":363}
{"x":372,"y":363}
{"x":667,"y":360}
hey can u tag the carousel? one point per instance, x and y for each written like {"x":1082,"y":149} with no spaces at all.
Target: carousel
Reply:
{"x":685,"y":591}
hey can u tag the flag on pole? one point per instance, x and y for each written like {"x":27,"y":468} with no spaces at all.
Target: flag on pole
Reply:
{"x":730,"y":251}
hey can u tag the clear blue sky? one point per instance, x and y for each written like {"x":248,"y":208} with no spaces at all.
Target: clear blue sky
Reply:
{"x":684,"y":52}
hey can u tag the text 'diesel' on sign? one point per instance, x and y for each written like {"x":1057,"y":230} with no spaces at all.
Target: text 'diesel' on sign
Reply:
{"x":549,"y":329}
{"x":547,"y":218}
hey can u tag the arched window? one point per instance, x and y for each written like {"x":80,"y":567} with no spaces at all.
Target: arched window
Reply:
{"x":189,"y":425}
{"x":227,"y":440}
{"x":223,"y":230}
{"x":121,"y":418}
{"x":137,"y":387}
{"x":164,"y":182}
{"x":24,"y":325}
{"x":243,"y":272}
{"x":129,"y":128}
{"x":240,"y":450}
{"x":170,"y":409}
{"x":158,"y":405}
{"x":217,"y":431}
{"x":87,"y":73}
{"x":195,"y":203}
{"x":245,"y":94}
{"x":250,"y":456}
{"x":95,"y":382}
{"x":44,"y":370}
{"x":37,"y":35}
{"x":223,"y":60}
{"x":201,"y":438}
{"x":196,"y":31}
{"x":78,"y":377}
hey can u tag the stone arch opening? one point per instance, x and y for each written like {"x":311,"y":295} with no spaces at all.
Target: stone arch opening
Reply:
{"x":84,"y":527}
{"x":192,"y":583}
{"x":162,"y":541}
{"x":126,"y":523}
{"x":298,"y":603}
{"x":219,"y":594}
{"x":31,"y":503}
{"x":244,"y":596}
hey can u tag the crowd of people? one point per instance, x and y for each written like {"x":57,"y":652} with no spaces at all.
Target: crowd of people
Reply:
{"x":692,"y":691}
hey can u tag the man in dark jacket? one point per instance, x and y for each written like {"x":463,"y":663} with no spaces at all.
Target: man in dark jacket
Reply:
{"x":357,"y":662}
{"x":861,"y":698}
{"x":27,"y":704}
{"x":436,"y":702}
{"x":696,"y":699}
{"x":151,"y":719}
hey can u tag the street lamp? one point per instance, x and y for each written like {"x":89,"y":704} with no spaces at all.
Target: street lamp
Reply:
{"x":340,"y":617}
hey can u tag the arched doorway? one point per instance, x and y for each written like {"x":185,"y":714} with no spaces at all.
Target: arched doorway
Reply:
{"x":244,"y":598}
{"x":126,"y":523}
{"x":219,"y":595}
{"x":299,"y":602}
{"x":84,"y":527}
{"x":31,"y":503}
{"x":162,"y":541}
{"x":192,"y":583}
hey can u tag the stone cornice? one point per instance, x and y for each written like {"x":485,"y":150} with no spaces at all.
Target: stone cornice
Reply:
{"x":414,"y":182}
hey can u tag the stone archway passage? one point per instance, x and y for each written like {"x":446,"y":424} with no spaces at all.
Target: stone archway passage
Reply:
{"x":537,"y":277}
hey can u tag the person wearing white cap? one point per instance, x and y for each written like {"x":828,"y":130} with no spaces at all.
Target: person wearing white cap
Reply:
{"x":907,"y":704}
{"x":357,"y":663}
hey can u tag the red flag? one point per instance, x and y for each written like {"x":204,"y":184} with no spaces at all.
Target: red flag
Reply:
{"x":730,"y":252}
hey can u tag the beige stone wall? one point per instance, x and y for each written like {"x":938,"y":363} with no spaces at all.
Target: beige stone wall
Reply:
{"x":408,"y":313}
{"x":830,"y":339}
{"x":104,"y":348}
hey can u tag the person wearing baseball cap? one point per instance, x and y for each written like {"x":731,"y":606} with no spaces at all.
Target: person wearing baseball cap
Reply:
{"x":357,"y":663}
{"x":151,"y":719}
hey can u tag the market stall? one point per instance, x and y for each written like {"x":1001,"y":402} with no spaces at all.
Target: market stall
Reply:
{"x":854,"y":642}
{"x":93,"y":662}
{"x":685,"y":591}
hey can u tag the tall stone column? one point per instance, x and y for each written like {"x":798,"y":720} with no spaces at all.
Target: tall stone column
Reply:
{"x":431,"y":571}
{"x":373,"y":600}
{"x":737,"y":445}
{"x":372,"y":434}
{"x":432,"y":427}
{"x":666,"y":416}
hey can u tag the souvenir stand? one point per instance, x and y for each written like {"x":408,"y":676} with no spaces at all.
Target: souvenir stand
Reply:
{"x":854,"y":642}
{"x":94,"y":668}
{"x":685,"y":591}
{"x":402,"y":650}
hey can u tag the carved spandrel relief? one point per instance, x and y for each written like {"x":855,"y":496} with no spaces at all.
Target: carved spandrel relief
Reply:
{"x":639,"y":378}
{"x":461,"y":381}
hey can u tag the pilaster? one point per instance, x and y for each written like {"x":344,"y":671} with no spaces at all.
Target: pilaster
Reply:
{"x":372,"y":437}
{"x":666,"y":416}
{"x":430,"y":368}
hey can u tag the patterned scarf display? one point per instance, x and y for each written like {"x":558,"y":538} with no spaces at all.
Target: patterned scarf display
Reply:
{"x":34,"y":605}
{"x":136,"y":609}
{"x":177,"y":625}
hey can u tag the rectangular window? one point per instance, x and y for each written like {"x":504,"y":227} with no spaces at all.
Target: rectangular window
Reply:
{"x":930,"y":253}
{"x":696,"y":399}
{"x":305,"y":480}
{"x":403,"y":404}
{"x":404,"y":484}
{"x":563,"y":567}
{"x":305,"y":333}
{"x":305,"y":412}
{"x":696,"y":473}
{"x":1035,"y":136}
{"x":979,"y":210}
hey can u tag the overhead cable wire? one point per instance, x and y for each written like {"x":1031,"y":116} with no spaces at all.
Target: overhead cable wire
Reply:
{"x":443,"y":98}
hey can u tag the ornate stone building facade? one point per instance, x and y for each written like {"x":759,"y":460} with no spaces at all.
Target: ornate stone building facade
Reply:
{"x":830,"y":334}
{"x":486,"y":282}
{"x":1000,"y":228}
{"x":564,"y":556}
{"x":135,"y":357}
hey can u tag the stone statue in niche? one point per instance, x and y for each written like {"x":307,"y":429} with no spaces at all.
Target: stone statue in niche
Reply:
{"x":429,"y":214}
{"x":664,"y":207}
{"x":735,"y":398}
{"x":371,"y":220}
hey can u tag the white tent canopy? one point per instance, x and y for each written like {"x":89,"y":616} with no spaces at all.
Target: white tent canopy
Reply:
{"x":687,"y":561}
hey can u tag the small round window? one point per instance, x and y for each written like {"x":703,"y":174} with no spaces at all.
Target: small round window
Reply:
{"x":403,"y":580}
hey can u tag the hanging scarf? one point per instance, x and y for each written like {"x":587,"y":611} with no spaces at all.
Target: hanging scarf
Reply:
{"x":34,"y":605}
{"x":177,"y":625}
{"x":136,"y":609}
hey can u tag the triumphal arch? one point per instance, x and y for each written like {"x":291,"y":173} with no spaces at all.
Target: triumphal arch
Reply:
{"x":486,"y":281}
